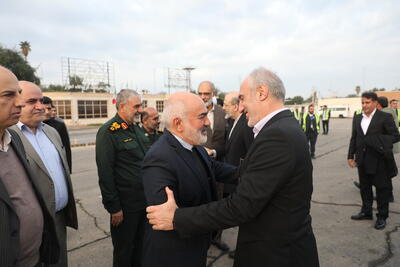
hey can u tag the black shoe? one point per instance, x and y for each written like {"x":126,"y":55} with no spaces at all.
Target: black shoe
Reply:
{"x":220,"y":245}
{"x":391,"y":199}
{"x":380,"y":224}
{"x":232,"y":254}
{"x":361,"y":216}
{"x":357,"y":184}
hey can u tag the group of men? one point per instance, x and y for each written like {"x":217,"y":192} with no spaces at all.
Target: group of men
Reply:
{"x":246,"y":164}
{"x":36,"y":194}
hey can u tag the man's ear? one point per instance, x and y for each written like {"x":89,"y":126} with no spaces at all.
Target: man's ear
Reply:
{"x":178,"y":124}
{"x":262,"y":92}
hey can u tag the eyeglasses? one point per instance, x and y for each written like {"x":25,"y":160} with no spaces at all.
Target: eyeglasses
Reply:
{"x":205,"y":93}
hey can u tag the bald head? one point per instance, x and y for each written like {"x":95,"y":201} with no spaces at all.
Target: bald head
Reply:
{"x":10,"y":100}
{"x":185,"y":115}
{"x":33,"y":112}
{"x":231,"y":105}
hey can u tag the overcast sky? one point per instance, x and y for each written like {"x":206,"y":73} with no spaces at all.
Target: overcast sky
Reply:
{"x":331,"y":46}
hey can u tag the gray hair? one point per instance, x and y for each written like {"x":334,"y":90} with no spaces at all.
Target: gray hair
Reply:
{"x":173,"y":109}
{"x":235,"y":100}
{"x":212,"y":86}
{"x":124,"y":95}
{"x":262,"y":76}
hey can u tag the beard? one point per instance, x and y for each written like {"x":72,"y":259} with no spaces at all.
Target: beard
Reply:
{"x":198,"y":137}
{"x":208,"y":103}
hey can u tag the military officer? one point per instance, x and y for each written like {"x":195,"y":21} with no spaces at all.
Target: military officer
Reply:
{"x":120,"y":150}
{"x":150,"y":123}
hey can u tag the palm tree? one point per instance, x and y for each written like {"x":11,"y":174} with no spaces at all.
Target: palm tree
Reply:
{"x":25,"y":48}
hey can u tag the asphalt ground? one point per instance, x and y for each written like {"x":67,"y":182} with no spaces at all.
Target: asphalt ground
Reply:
{"x":340,"y":240}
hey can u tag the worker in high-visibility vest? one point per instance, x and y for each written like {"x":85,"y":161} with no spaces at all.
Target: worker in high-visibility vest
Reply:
{"x":325,"y":116}
{"x":297,"y":114}
{"x":310,"y":126}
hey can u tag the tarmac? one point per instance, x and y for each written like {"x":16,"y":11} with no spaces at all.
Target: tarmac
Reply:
{"x":340,"y":240}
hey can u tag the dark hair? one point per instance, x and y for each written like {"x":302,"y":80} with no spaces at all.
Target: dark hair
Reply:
{"x":47,"y":100}
{"x":311,"y":105}
{"x":391,"y":101}
{"x":370,"y":95}
{"x":383,"y":101}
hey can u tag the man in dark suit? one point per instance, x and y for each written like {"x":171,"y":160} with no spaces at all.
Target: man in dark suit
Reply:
{"x":239,"y":135}
{"x":59,"y":125}
{"x":215,"y":144}
{"x":370,"y":150}
{"x":272,"y":202}
{"x":310,"y":126}
{"x":178,"y":160}
{"x":27,"y":231}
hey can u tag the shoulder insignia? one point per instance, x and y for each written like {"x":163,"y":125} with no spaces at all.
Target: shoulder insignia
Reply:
{"x":124,"y":126}
{"x":115,"y":126}
{"x":128,"y":140}
{"x":146,"y":134}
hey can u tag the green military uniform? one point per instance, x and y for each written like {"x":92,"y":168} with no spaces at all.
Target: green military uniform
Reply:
{"x":120,"y":150}
{"x":150,"y":138}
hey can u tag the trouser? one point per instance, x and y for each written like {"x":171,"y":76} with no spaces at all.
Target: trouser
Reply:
{"x":325,"y":126}
{"x":383,"y":191}
{"x":61,"y":231}
{"x":312,"y":140}
{"x":127,"y":239}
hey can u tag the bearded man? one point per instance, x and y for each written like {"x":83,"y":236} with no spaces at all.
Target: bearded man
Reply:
{"x":178,"y":161}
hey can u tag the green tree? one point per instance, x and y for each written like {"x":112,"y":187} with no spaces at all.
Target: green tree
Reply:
{"x":53,"y":88}
{"x":75,"y":81}
{"x":25,"y":48}
{"x":13,"y":60}
{"x":294,"y":100}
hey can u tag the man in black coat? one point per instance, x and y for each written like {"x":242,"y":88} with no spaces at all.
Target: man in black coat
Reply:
{"x":178,"y":160}
{"x":239,"y":135}
{"x":59,"y":125}
{"x":272,"y":202}
{"x":27,"y":231}
{"x":370,"y":149}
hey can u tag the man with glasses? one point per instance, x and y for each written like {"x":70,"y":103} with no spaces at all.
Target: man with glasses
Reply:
{"x":120,"y":150}
{"x":215,"y":144}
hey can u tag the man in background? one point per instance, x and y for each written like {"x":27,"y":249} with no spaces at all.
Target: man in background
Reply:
{"x":58,"y":124}
{"x":325,"y":116}
{"x":120,"y":150}
{"x":311,"y":128}
{"x":215,"y":144}
{"x":27,"y":232}
{"x":150,"y":122}
{"x":48,"y":161}
{"x":370,"y":150}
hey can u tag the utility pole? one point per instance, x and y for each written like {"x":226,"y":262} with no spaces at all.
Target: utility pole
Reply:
{"x":188,"y":80}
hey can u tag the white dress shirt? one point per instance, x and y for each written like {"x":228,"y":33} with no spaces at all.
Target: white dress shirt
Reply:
{"x":259,"y":125}
{"x":366,"y":120}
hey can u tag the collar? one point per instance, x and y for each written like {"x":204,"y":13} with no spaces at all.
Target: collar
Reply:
{"x":22,"y":126}
{"x":4,"y":144}
{"x":370,"y":116}
{"x":259,"y":125}
{"x":185,"y":144}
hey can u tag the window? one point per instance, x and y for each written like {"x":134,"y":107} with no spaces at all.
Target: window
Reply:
{"x":144,"y":104}
{"x":160,"y":106}
{"x":63,"y":108}
{"x":88,"y":109}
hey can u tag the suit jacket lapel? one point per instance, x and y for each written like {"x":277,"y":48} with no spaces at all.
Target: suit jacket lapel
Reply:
{"x":30,"y":150}
{"x":188,"y":159}
{"x":58,"y":148}
{"x":374,"y":120}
